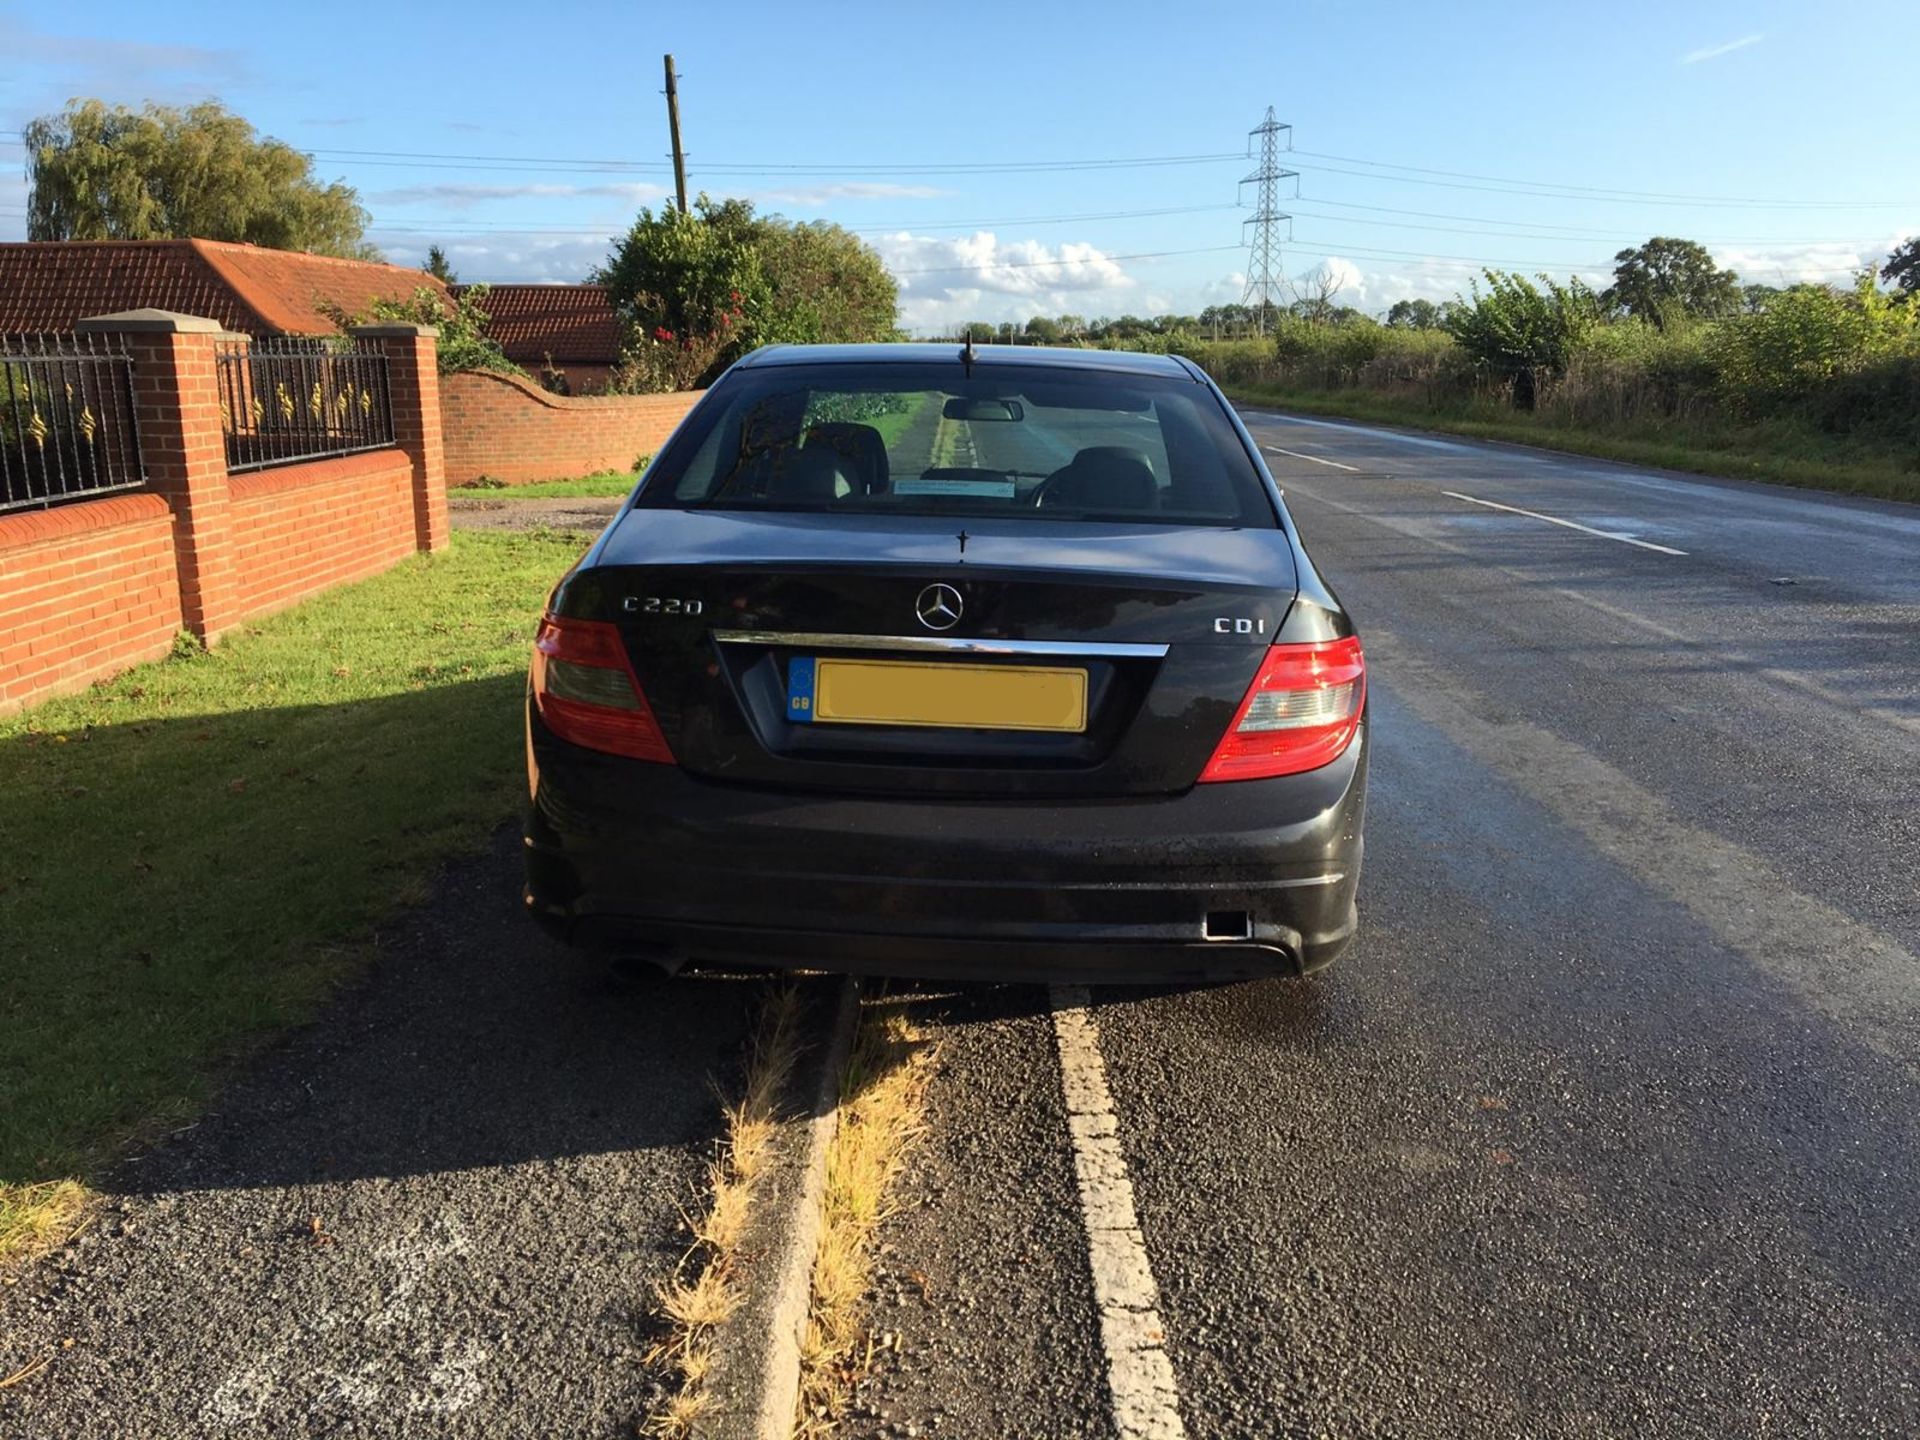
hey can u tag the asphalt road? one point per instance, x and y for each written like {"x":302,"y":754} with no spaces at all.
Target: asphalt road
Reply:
{"x":1607,"y":1125}
{"x":441,"y":1210}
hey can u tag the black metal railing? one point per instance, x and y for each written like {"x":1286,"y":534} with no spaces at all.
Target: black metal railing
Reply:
{"x":289,"y":398}
{"x":67,"y":427}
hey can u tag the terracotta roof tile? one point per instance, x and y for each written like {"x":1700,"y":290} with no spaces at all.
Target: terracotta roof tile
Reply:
{"x":575,"y":324}
{"x":287,"y":288}
{"x":48,"y":286}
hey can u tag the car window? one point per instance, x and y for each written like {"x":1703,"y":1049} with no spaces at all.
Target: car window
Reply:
{"x":921,"y":439}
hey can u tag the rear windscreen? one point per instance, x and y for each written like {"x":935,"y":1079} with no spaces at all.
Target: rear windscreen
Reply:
{"x":933,"y":440}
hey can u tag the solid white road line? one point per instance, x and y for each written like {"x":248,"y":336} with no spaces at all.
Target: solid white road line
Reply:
{"x":1276,"y":450}
{"x":1145,"y":1398}
{"x":1570,"y":524}
{"x":1399,"y":437}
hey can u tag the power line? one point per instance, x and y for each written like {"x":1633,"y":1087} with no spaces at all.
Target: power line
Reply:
{"x":1562,"y":185}
{"x":877,"y":228}
{"x":1575,"y":236}
{"x":430,"y":226}
{"x":1616,"y":233}
{"x":982,"y":267}
{"x":1510,"y":185}
{"x":1622,"y":198}
{"x":538,"y":163}
{"x":1333,"y":250}
{"x":1445,"y":215}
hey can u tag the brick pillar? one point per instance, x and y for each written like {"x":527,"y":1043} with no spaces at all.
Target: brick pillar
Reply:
{"x":413,"y":382}
{"x":176,"y":403}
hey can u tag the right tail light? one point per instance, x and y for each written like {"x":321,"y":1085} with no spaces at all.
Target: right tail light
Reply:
{"x":1300,"y":713}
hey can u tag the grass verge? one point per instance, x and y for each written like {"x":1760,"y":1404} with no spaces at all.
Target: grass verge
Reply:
{"x":703,"y":1292}
{"x":194,"y":852}
{"x":615,"y":483}
{"x":896,"y":423}
{"x":882,"y":1103}
{"x":1784,"y":455}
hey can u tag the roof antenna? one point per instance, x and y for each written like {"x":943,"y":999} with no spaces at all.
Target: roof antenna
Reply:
{"x":966,"y":354}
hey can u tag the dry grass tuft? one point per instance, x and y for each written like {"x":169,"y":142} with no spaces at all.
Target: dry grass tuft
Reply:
{"x":701,"y":1303}
{"x":702,"y":1293}
{"x":36,"y":1217}
{"x":882,"y":1105}
{"x":682,"y":1413}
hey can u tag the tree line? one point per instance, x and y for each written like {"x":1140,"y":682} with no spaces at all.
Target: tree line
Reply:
{"x":1666,"y":281}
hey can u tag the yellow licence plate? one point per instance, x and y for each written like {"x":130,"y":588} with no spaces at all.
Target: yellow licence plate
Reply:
{"x":980,"y":697}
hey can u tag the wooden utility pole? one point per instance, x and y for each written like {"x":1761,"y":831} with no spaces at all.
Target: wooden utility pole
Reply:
{"x":673,"y":127}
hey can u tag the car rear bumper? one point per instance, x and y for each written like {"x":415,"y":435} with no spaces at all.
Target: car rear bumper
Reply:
{"x":1224,"y":881}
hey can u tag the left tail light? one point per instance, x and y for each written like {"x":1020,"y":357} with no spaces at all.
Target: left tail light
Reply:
{"x":587,"y":693}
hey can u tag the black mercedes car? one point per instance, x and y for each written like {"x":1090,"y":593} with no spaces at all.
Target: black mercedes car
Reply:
{"x":939,"y":661}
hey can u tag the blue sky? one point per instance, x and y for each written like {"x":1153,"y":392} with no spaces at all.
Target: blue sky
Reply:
{"x":1778,"y":133}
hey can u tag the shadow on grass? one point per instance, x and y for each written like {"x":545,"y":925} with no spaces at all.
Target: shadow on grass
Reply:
{"x":176,"y":891}
{"x":476,"y":1043}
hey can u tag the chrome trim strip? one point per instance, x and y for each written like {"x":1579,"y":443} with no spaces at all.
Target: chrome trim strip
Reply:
{"x":948,"y":643}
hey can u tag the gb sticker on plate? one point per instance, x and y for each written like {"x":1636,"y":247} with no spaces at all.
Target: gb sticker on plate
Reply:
{"x":800,"y":689}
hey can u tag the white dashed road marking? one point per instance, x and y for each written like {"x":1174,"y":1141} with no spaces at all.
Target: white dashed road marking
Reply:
{"x":1145,"y":1399}
{"x":1276,"y":450}
{"x":1570,"y":524}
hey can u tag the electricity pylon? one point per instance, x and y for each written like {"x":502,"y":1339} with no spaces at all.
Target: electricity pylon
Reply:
{"x":1264,"y":273}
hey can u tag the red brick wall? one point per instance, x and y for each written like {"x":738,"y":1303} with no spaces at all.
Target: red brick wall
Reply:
{"x":301,"y":529}
{"x":85,"y":590}
{"x":89,"y":588}
{"x":512,"y":430}
{"x":584,"y":379}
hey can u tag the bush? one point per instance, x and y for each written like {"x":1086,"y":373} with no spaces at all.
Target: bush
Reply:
{"x":1632,"y":371}
{"x":660,"y":361}
{"x":1805,"y":337}
{"x":700,"y":289}
{"x":1879,"y":402}
{"x":1522,"y":333}
{"x":463,"y":343}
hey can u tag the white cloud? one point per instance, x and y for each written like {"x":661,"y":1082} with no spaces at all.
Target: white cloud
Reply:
{"x":462,"y":197}
{"x":981,"y":261}
{"x":104,"y":58}
{"x":1346,"y":282}
{"x":1714,"y":52}
{"x":814,"y":196}
{"x":947,"y":279}
{"x":1831,"y":264}
{"x":524,"y":258}
{"x":1226,"y":290}
{"x":983,"y":278}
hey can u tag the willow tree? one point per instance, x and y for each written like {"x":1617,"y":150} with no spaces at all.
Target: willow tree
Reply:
{"x":106,"y":172}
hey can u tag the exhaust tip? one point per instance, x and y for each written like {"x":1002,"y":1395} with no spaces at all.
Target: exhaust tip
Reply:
{"x":640,"y":963}
{"x":1227,"y":925}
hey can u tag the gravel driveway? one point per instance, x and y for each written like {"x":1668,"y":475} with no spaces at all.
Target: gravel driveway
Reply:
{"x":587,"y":515}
